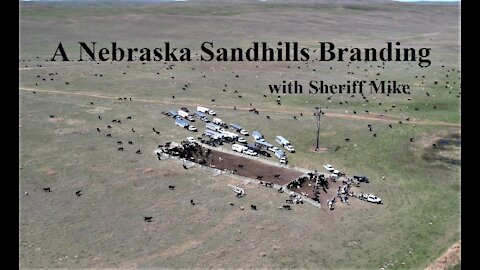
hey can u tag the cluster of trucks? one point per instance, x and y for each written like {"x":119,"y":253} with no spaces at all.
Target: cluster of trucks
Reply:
{"x":218,"y":130}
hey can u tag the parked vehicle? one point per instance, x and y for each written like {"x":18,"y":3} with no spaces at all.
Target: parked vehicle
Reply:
{"x":361,"y":178}
{"x":264,"y":153}
{"x":213,"y":134}
{"x":191,"y":140}
{"x":238,"y":128}
{"x":213,"y":127}
{"x":239,"y":148}
{"x":263,"y":144}
{"x":192,"y":128}
{"x":229,"y":134}
{"x":181,"y":123}
{"x":328,"y":167}
{"x":173,"y":113}
{"x":250,"y":152}
{"x":273,"y":149}
{"x":257,"y":135}
{"x":206,"y":110}
{"x":374,"y":199}
{"x":241,"y":140}
{"x":282,"y":141}
{"x":217,"y":121}
{"x":203,"y":109}
{"x":290,"y":148}
{"x":280,"y":154}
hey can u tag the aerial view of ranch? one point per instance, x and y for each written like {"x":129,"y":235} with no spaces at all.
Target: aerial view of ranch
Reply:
{"x":216,"y":134}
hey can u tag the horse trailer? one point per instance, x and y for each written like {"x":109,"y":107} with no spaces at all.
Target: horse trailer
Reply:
{"x":282,"y":141}
{"x":239,"y":148}
{"x":213,"y":134}
{"x":257,"y":135}
{"x":213,"y":126}
{"x":181,"y":123}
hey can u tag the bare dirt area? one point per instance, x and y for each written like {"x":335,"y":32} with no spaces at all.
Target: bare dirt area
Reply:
{"x":245,"y":167}
{"x":449,"y":259}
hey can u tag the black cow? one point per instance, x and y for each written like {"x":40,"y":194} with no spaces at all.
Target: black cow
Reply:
{"x":191,"y":202}
{"x":148,"y":219}
{"x":78,"y":193}
{"x":130,"y":142}
{"x":119,"y":142}
{"x":185,"y":167}
{"x":98,"y":129}
{"x":120,"y":149}
{"x":254,"y":207}
{"x":138,"y":151}
{"x":171,"y":187}
{"x":47,"y":189}
{"x":129,"y":117}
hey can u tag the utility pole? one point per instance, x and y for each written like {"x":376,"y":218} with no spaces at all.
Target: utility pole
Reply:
{"x":318,"y":113}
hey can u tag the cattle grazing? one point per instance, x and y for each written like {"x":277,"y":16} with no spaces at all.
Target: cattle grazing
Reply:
{"x":434,"y":145}
{"x":158,"y":132}
{"x":171,"y":187}
{"x":276,"y":175}
{"x":47,"y":189}
{"x":109,"y":126}
{"x":347,"y":139}
{"x":254,"y":207}
{"x":185,"y":167}
{"x":91,"y":103}
{"x":259,"y":177}
{"x":129,"y":117}
{"x":390,"y":125}
{"x":147,"y":219}
{"x":191,"y":202}
{"x":133,"y":130}
{"x":78,"y":193}
{"x":119,"y":142}
{"x":99,"y":117}
{"x":268,"y":117}
{"x":375,"y":135}
{"x":98,"y":129}
{"x":138,"y":152}
{"x":411,"y":139}
{"x":120,"y":149}
{"x":240,"y":165}
{"x":294,"y":117}
{"x":130,"y":142}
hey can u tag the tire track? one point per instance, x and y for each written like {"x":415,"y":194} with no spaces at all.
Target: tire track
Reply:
{"x":191,"y":102}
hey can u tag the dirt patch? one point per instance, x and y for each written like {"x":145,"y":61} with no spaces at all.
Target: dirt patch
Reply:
{"x":74,"y":122}
{"x":148,"y":170}
{"x":320,"y":149}
{"x":49,"y":171}
{"x":244,"y":166}
{"x":55,"y":120}
{"x":448,"y":259}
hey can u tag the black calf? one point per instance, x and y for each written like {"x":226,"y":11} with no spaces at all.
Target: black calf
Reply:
{"x":254,"y":207}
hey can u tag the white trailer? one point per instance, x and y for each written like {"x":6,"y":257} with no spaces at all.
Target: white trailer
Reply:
{"x":217,"y":121}
{"x":183,"y":113}
{"x":203,"y":109}
{"x":239,"y":148}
